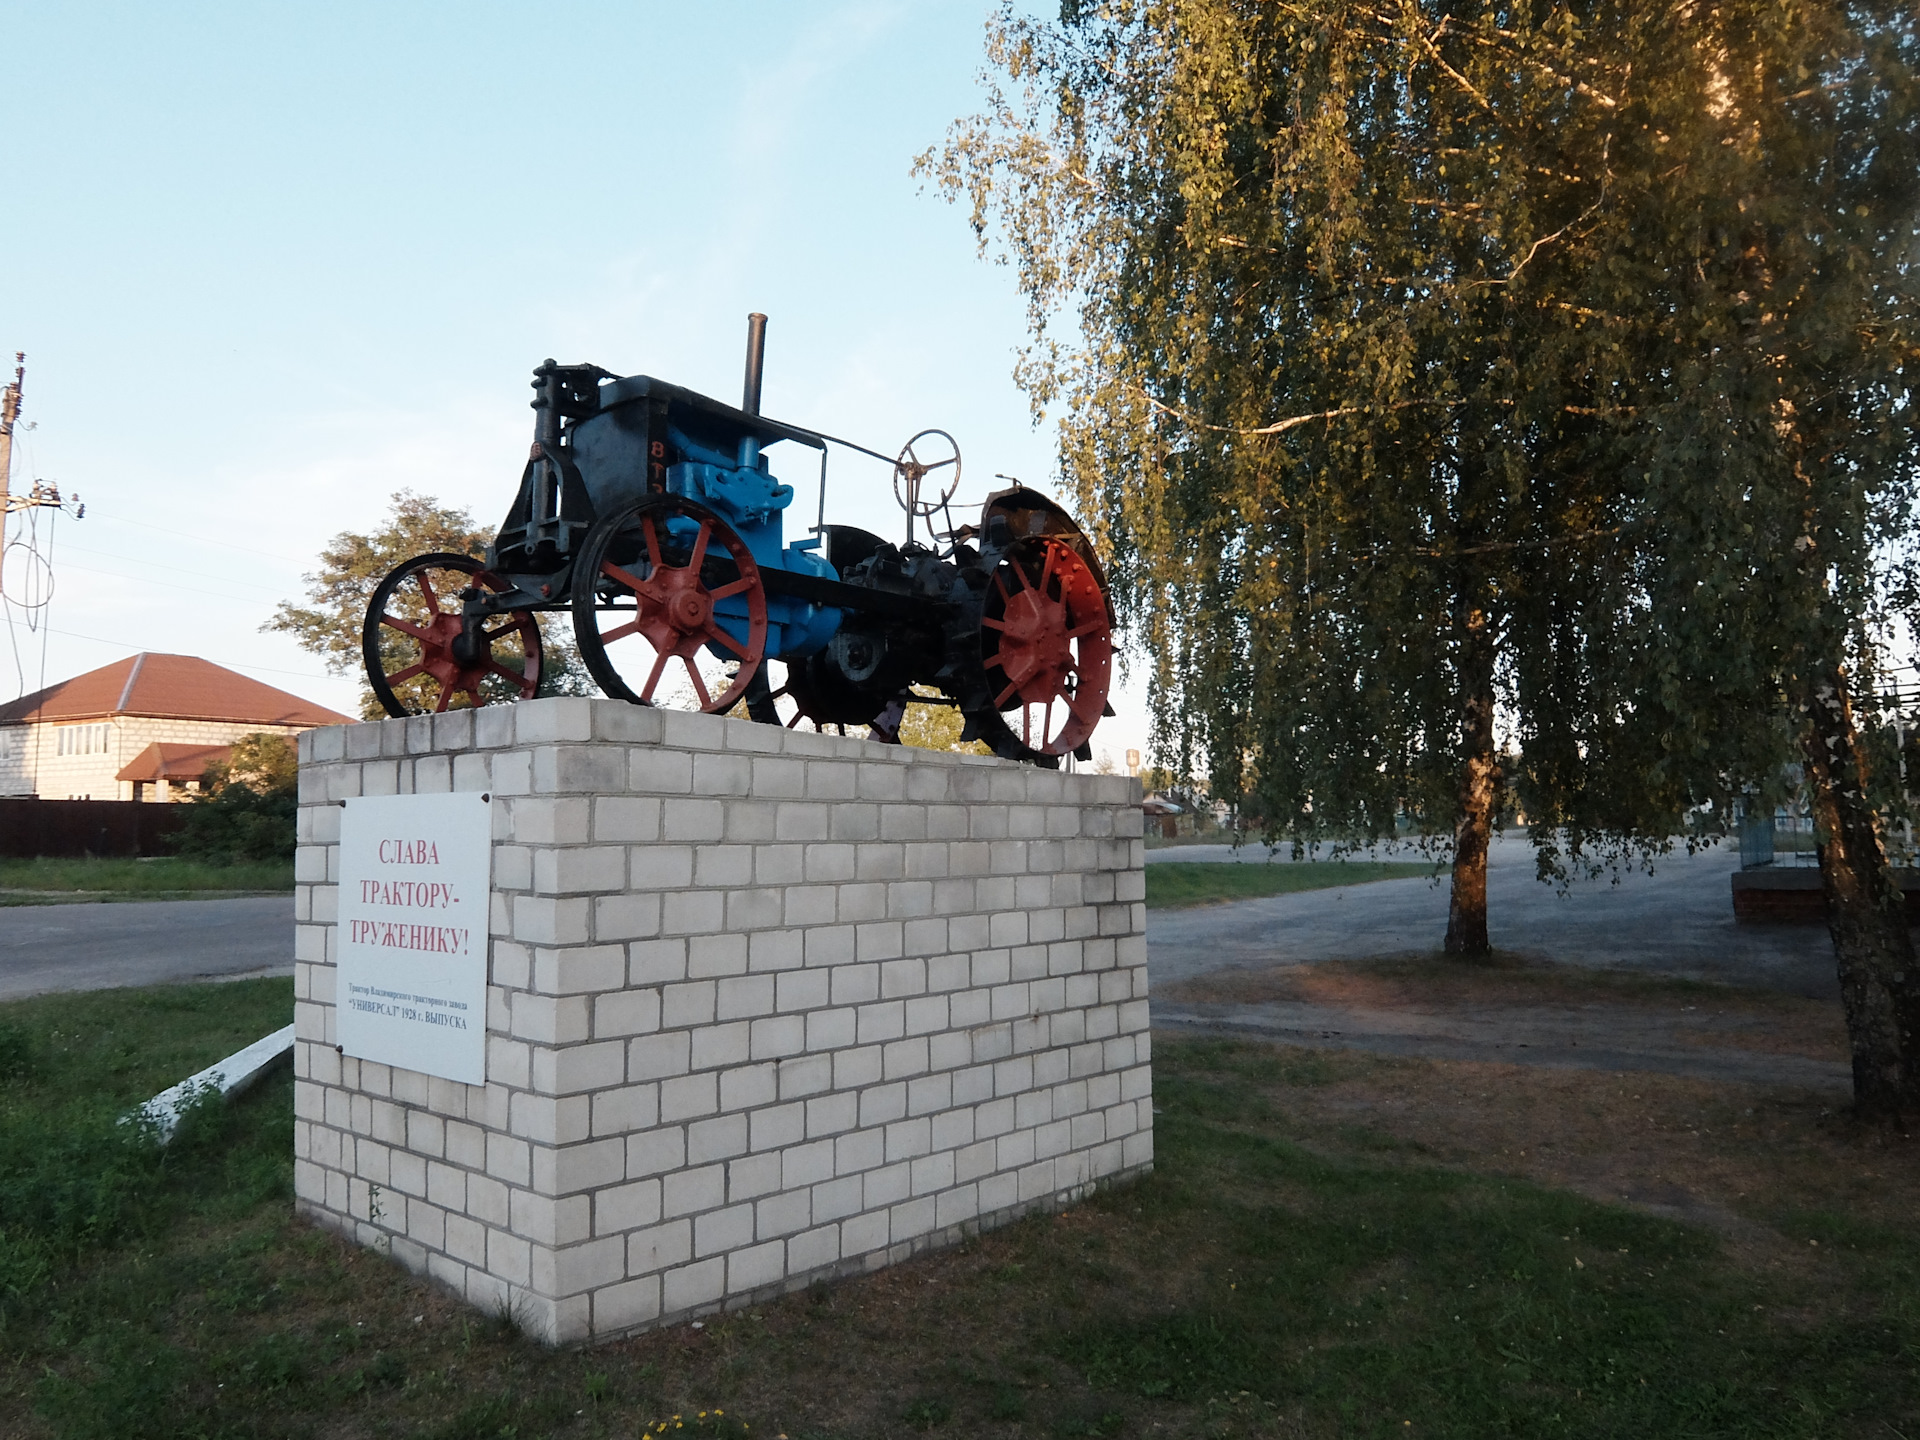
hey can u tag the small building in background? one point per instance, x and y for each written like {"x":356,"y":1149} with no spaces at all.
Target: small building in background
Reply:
{"x":143,"y":728}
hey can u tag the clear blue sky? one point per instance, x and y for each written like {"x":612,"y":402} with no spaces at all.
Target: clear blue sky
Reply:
{"x":272,"y":263}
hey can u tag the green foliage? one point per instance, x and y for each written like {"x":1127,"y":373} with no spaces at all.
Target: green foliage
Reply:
{"x":1456,"y":358}
{"x":1158,"y":780}
{"x":19,"y":1053}
{"x":351,"y":569}
{"x":247,"y":806}
{"x":73,"y":1178}
{"x":262,"y":763}
{"x":49,"y":880}
{"x":927,"y":1413}
{"x":937,"y":727}
{"x":67,"y":1184}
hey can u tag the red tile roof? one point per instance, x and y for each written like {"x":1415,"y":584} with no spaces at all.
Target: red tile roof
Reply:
{"x":173,"y":762}
{"x":174,"y":687}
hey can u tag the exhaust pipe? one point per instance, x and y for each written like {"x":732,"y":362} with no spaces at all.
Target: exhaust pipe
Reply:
{"x":756,"y":362}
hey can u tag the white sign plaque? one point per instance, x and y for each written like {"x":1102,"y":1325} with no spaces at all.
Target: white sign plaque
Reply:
{"x":415,"y":877}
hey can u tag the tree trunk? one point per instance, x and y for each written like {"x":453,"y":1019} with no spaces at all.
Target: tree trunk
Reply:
{"x":1479,"y":791}
{"x":1866,"y":913}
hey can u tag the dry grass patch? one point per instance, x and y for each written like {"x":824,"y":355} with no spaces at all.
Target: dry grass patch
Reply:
{"x":1757,"y":1164}
{"x":1693,"y":1012}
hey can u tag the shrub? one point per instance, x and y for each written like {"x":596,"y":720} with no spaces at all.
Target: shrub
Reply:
{"x":247,"y":809}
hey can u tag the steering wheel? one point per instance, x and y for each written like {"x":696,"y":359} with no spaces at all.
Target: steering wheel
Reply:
{"x":914,"y":471}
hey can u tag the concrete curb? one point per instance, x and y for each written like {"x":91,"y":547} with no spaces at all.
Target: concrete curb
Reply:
{"x":230,"y":1076}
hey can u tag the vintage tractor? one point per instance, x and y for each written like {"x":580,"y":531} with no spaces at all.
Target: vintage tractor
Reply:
{"x":651,"y":514}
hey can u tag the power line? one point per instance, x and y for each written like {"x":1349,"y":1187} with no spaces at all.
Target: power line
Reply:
{"x":155,"y":564}
{"x":143,"y":526}
{"x":231,"y":665}
{"x":164,"y":584}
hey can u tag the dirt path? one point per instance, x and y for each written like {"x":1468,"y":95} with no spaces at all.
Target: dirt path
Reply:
{"x":1778,"y":1170}
{"x":1524,"y":1012}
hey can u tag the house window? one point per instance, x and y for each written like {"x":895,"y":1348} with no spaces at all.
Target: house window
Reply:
{"x":84,"y":739}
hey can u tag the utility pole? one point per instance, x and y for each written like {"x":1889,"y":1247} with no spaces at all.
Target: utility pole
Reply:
{"x":9,"y":412}
{"x":44,"y":494}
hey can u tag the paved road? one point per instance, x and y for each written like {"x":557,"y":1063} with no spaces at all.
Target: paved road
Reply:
{"x":1677,"y":921}
{"x":97,"y":947}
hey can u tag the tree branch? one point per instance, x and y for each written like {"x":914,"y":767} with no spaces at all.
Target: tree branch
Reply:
{"x":1503,"y":545}
{"x":1292,"y":422}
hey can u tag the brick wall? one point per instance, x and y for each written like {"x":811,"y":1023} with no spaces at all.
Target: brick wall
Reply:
{"x":763,"y":1007}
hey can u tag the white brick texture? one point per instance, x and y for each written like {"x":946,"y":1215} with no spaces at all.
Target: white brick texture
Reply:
{"x":764,"y":1008}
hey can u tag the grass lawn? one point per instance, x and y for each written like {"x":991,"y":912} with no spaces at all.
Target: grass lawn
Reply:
{"x":66,"y":882}
{"x":1198,"y":882}
{"x":1322,"y":1252}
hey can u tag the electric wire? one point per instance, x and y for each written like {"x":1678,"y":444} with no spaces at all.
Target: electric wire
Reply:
{"x":33,"y":608}
{"x":229,"y":664}
{"x":157,"y":565}
{"x":164,"y":584}
{"x":144,"y":527}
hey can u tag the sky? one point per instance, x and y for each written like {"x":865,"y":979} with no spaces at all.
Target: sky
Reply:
{"x":271,"y":264}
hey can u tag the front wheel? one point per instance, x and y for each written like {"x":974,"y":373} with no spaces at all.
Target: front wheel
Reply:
{"x":668,"y":607}
{"x":422,"y":654}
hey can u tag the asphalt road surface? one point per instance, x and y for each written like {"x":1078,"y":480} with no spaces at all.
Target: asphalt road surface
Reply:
{"x":99,"y":947}
{"x":1679,"y":921}
{"x":1676,"y":921}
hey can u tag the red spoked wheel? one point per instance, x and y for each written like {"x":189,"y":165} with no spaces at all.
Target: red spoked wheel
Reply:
{"x":1047,"y":647}
{"x":421,"y":654}
{"x":668,"y":606}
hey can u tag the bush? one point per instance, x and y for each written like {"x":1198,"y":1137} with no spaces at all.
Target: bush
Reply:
{"x":247,"y":810}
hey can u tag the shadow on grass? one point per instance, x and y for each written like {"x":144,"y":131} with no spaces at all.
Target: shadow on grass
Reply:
{"x":1260,"y":1282}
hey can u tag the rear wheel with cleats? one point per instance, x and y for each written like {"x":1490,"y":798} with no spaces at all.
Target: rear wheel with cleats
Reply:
{"x":1046,"y":647}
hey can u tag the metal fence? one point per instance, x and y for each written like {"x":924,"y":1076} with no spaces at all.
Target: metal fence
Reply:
{"x":1786,"y":838}
{"x":73,"y":828}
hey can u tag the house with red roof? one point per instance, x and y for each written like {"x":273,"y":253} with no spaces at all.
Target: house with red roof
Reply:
{"x":143,"y":728}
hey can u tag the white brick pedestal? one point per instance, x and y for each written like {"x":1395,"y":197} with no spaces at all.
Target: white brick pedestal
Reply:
{"x":763,"y":1007}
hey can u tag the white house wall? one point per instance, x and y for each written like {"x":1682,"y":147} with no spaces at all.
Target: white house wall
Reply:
{"x":31,"y":762}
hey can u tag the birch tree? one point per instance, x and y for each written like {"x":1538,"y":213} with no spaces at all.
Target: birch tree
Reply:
{"x":1480,"y":403}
